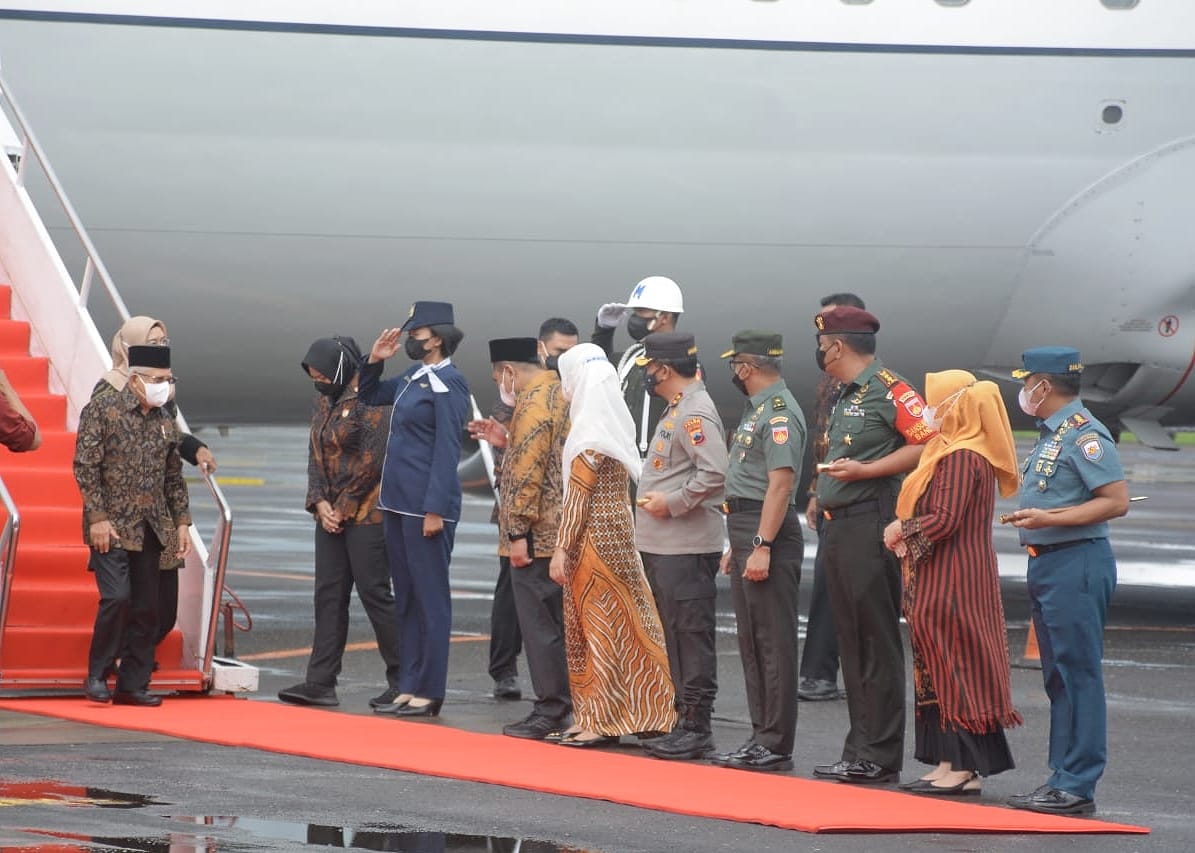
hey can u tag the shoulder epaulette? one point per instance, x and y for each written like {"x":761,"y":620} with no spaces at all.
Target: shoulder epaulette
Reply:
{"x":887,"y":377}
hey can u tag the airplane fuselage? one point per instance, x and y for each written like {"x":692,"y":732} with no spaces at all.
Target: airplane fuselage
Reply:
{"x":260,"y":183}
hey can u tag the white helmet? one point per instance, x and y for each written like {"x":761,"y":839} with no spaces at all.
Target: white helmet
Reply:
{"x":659,"y":293}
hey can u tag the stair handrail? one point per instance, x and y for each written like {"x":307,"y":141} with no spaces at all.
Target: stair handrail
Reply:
{"x":217,"y":561}
{"x":95,"y":266}
{"x":8,"y":553}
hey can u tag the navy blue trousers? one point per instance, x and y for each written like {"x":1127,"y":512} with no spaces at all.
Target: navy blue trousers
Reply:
{"x":1070,"y":590}
{"x":422,"y":600}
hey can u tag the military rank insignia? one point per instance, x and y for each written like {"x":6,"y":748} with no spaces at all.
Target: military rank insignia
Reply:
{"x":695,"y":431}
{"x":778,"y":404}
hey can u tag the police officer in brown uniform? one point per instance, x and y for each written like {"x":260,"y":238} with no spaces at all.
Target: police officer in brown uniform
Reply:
{"x":679,"y":533}
{"x":766,"y":547}
{"x":874,"y":438}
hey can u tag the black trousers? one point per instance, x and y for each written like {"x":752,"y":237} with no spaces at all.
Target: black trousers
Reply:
{"x":505,"y":640}
{"x":819,"y":657}
{"x":126,"y":621}
{"x":685,"y":592}
{"x":766,"y":612}
{"x":355,"y":557}
{"x":539,"y":602}
{"x":865,"y":584}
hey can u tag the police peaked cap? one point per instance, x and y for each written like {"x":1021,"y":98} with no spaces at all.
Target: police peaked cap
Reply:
{"x":756,"y":342}
{"x":515,"y":349}
{"x":429,"y":314}
{"x":145,"y":355}
{"x":846,"y":320}
{"x":1056,"y":360}
{"x":667,"y":346}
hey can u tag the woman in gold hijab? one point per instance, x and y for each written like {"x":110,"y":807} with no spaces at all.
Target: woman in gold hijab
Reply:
{"x":943,"y":533}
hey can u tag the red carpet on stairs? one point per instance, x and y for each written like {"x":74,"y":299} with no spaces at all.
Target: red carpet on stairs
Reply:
{"x":52,"y":598}
{"x":437,"y":749}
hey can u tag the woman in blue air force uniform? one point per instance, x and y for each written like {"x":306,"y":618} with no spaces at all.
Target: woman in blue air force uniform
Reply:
{"x":421,"y":493}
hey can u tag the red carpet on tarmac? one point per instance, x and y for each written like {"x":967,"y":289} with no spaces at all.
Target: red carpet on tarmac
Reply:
{"x":437,"y":749}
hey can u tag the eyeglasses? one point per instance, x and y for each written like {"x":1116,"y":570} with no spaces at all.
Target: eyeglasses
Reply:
{"x":733,"y":364}
{"x":157,"y":380}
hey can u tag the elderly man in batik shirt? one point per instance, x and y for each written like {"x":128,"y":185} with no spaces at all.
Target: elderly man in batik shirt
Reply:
{"x":135,"y":506}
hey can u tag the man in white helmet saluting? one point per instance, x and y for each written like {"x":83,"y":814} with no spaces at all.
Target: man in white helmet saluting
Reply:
{"x":653,"y":306}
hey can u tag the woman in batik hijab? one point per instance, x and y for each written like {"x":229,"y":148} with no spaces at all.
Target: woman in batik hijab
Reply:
{"x":617,"y":665}
{"x":943,"y":533}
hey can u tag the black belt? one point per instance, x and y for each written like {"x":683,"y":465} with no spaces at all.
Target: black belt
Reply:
{"x":1038,"y":550}
{"x":847,"y":511}
{"x":733,"y":505}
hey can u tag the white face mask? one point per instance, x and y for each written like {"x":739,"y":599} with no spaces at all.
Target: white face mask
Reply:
{"x":1025,"y":395}
{"x":507,"y":396}
{"x":156,"y":393}
{"x":930,"y":416}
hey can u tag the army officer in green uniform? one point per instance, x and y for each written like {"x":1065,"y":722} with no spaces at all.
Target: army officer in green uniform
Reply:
{"x":874,"y":438}
{"x":766,"y":547}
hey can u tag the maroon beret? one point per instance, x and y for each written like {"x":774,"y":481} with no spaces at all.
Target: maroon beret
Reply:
{"x":843,"y":319}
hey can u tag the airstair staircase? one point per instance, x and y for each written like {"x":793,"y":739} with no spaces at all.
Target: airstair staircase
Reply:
{"x":53,"y":355}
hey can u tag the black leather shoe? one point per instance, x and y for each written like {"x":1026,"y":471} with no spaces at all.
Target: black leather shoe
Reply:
{"x":865,"y":772}
{"x":507,"y":689}
{"x":431,"y":709}
{"x":534,"y":727}
{"x":1021,"y":801}
{"x":387,"y":698}
{"x":96,"y":689}
{"x":1054,"y":801}
{"x":836,"y":771}
{"x":817,"y":690}
{"x":139,"y":697}
{"x":309,"y":694}
{"x":682,"y":746}
{"x":969,"y":787}
{"x":724,"y":759}
{"x":761,"y":758}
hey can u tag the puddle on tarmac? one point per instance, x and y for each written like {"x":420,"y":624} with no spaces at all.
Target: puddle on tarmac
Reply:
{"x":226,"y":833}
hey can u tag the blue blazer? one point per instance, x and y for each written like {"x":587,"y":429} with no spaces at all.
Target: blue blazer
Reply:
{"x":419,"y":474}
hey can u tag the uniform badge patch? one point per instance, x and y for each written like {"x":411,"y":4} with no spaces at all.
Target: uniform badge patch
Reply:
{"x":659,"y":447}
{"x":780,"y":434}
{"x":1093,"y":451}
{"x":658,"y":463}
{"x":693,"y":428}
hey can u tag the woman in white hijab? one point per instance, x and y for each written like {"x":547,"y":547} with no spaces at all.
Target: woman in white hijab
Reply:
{"x":618,"y":668}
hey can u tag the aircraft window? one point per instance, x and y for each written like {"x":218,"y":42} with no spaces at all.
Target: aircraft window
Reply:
{"x":953,"y":2}
{"x":1119,"y":4}
{"x":856,"y":2}
{"x":1112,"y":114}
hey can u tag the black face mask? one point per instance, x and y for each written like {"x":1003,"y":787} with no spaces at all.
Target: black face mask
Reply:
{"x":416,"y":348}
{"x":552,"y":362}
{"x":638,"y":327}
{"x":821,"y":359}
{"x":651,"y":381}
{"x":329,"y":389}
{"x":738,"y":382}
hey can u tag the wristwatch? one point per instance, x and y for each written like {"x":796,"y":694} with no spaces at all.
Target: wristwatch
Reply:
{"x":760,"y":542}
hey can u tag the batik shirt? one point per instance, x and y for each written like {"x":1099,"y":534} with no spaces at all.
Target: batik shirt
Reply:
{"x":344,"y":458}
{"x":532,"y":473}
{"x":129,"y":471}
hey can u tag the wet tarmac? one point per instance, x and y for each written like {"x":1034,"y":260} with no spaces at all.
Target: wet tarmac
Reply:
{"x":135,"y":791}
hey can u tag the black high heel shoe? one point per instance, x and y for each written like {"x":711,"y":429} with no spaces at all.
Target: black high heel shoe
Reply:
{"x":431,"y":709}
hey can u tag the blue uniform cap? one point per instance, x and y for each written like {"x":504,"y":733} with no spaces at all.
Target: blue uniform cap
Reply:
{"x":429,"y":314}
{"x":1056,"y":360}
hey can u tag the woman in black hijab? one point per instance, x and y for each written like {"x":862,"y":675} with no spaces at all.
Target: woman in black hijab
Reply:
{"x":344,"y":468}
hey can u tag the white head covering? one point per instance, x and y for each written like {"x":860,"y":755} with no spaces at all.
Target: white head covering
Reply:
{"x":599,"y":415}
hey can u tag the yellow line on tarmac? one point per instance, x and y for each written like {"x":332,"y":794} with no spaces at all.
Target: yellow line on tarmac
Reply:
{"x":351,"y":647}
{"x":232,"y":481}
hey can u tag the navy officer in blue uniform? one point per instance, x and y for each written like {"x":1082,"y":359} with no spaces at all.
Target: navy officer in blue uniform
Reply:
{"x":421,"y":493}
{"x":1072,"y":483}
